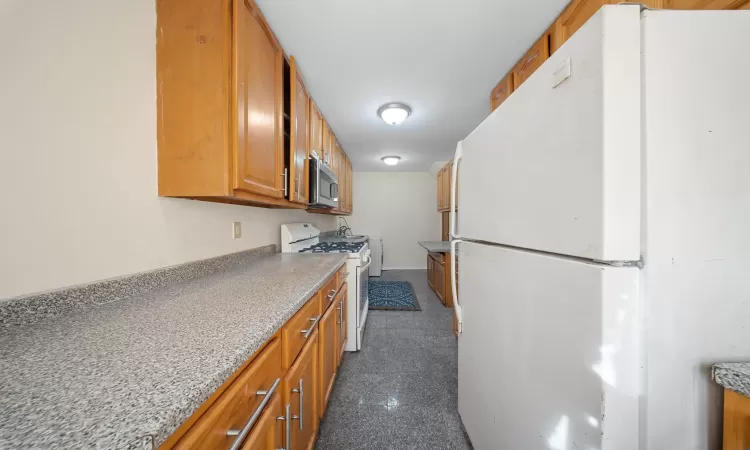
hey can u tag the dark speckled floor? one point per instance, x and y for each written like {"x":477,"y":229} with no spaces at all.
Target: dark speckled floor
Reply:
{"x":400,"y":391}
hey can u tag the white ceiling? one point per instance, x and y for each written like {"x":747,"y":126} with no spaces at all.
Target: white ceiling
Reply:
{"x":440,"y":57}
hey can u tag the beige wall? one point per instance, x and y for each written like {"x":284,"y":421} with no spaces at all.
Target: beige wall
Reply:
{"x":400,"y":207}
{"x":78,"y":196}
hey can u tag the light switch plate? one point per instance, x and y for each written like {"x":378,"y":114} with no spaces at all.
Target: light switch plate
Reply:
{"x":236,"y":230}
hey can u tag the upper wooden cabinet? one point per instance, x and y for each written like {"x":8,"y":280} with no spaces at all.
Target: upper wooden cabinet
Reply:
{"x":316,"y":130}
{"x":219,"y":103}
{"x":444,"y":186}
{"x":575,"y":15}
{"x":327,"y":147}
{"x":570,"y":20}
{"x":502,"y":91}
{"x":706,"y":4}
{"x":531,"y":61}
{"x":258,"y":83}
{"x":299,"y":136}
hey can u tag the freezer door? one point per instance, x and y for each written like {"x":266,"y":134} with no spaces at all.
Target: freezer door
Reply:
{"x":550,"y":353}
{"x":557,"y":166}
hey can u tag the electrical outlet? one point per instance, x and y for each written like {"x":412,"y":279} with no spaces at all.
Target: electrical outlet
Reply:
{"x":236,"y":230}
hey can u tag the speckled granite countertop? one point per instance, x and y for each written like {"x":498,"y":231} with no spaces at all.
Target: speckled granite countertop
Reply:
{"x":734,"y":376}
{"x":436,"y":246}
{"x":133,"y":370}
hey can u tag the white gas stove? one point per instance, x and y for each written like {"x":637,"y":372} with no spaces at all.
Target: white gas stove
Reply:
{"x":305,"y":238}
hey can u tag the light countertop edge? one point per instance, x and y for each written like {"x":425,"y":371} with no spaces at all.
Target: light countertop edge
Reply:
{"x":436,"y":246}
{"x":734,"y":376}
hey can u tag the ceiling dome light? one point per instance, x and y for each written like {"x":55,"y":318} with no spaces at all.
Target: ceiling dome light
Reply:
{"x":394,"y":113}
{"x":391,"y":160}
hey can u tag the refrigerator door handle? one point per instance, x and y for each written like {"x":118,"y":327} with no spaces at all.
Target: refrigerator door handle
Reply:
{"x":456,"y":304}
{"x":454,"y":183}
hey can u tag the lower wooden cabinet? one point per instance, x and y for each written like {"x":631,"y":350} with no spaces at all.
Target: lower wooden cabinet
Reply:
{"x":276,"y":399}
{"x":268,"y":432}
{"x":299,"y":392}
{"x":736,"y":421}
{"x":430,"y":272}
{"x":440,"y":281}
{"x":328,"y":355}
{"x":217,"y":428}
{"x":439,"y":276}
{"x":341,"y":323}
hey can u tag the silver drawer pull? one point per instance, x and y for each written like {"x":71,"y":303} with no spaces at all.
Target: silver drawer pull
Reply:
{"x":332,"y":294}
{"x":287,"y":417}
{"x":345,"y":274}
{"x":301,"y":393}
{"x":309,"y":331}
{"x":242,"y":434}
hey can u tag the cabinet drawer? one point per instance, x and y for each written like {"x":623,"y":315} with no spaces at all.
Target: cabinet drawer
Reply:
{"x":235,"y":407}
{"x":341,"y":275}
{"x":531,"y":61}
{"x":328,"y":292}
{"x":299,"y":329}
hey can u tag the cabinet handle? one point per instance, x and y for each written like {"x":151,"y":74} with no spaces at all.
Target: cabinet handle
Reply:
{"x":287,"y":417}
{"x":309,"y":331}
{"x":341,"y":314}
{"x":528,"y":60}
{"x":285,"y":174}
{"x":332,"y":294}
{"x":242,"y":434}
{"x":301,"y":393}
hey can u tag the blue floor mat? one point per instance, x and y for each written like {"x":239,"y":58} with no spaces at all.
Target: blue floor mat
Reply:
{"x":392,"y":295}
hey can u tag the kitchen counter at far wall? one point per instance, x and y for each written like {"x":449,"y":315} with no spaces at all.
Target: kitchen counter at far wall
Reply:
{"x":436,"y":246}
{"x":734,"y":376}
{"x":125,"y":370}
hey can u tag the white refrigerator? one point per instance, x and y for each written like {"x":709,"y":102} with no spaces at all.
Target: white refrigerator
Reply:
{"x":603,"y":237}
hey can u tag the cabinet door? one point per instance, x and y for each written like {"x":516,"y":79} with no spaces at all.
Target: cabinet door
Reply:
{"x":531,"y":61}
{"x":449,"y":177}
{"x":326,"y":143}
{"x":268,"y":432}
{"x":575,"y":15}
{"x":440,"y":189}
{"x":501,"y":92}
{"x":341,"y":322}
{"x":327,"y":354}
{"x":349,"y":188}
{"x":429,"y":271}
{"x":299,"y":393}
{"x":299,"y":138}
{"x":445,"y":223}
{"x":439,"y":281}
{"x":316,"y":130}
{"x":258,"y":92}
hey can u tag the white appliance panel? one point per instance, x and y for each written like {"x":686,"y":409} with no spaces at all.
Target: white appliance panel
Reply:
{"x":560,"y":163}
{"x":550,"y":349}
{"x":697,"y":256}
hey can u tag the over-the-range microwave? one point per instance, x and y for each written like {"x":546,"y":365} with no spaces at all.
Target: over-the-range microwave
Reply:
{"x":324,"y":188}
